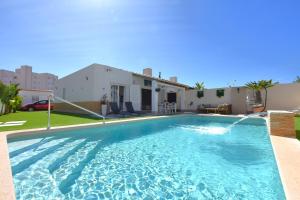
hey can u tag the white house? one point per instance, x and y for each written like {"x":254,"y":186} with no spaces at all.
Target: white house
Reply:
{"x":89,"y":85}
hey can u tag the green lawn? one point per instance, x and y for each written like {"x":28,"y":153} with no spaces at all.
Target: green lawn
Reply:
{"x":39,"y":119}
{"x":297,"y":119}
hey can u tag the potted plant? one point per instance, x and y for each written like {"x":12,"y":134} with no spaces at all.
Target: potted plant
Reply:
{"x":103,"y":103}
{"x":220,"y":93}
{"x":200,"y":88}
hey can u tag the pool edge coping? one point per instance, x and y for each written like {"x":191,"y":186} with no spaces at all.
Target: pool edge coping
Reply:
{"x":7,"y":189}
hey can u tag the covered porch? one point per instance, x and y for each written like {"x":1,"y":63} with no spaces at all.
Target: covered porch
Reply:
{"x":166,"y":97}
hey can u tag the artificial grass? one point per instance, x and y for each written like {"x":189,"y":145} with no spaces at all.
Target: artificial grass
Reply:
{"x":297,"y":121}
{"x":39,"y":119}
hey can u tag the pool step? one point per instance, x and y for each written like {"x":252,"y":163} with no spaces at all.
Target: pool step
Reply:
{"x":30,"y":147}
{"x":28,"y":162}
{"x":72,"y":159}
{"x":58,"y":162}
{"x":66,"y":184}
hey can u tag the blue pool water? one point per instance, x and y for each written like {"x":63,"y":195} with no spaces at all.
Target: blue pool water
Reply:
{"x":186,"y":157}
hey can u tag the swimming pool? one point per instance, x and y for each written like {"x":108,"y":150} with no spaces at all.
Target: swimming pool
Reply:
{"x":184,"y":157}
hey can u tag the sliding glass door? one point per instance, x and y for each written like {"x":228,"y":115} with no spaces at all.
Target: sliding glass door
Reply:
{"x":118,"y":94}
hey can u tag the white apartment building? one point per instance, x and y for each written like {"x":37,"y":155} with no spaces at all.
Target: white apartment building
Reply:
{"x":34,"y":86}
{"x":29,"y":80}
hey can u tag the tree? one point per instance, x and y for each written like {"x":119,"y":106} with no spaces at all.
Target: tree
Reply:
{"x":9,"y":96}
{"x":2,"y":92}
{"x":256,"y":88}
{"x":265,"y":84}
{"x":15,"y":103}
{"x":199,"y":86}
{"x":297,"y":80}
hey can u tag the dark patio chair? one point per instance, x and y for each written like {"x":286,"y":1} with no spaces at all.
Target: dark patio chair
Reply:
{"x":130,"y":108}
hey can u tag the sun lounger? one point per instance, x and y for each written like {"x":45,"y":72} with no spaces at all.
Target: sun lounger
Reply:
{"x":130,"y":108}
{"x":116,"y":110}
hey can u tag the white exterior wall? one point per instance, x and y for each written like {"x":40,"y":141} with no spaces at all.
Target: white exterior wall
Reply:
{"x":166,"y":88}
{"x":154,"y":100}
{"x":160,"y":97}
{"x":280,"y":97}
{"x":29,"y":95}
{"x":138,"y":80}
{"x":92,"y":82}
{"x":283,"y":97}
{"x":209,"y":97}
{"x":136,"y":97}
{"x":106,"y":76}
{"x":78,"y":86}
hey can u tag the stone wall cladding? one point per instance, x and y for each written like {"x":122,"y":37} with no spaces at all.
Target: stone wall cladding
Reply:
{"x":90,"y":105}
{"x":282,"y":123}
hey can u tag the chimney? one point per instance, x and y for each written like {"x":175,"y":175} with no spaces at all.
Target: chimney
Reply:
{"x":173,"y":79}
{"x":147,"y":72}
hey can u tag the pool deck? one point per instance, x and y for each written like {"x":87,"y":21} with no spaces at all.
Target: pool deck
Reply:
{"x":287,"y":153}
{"x":286,"y":150}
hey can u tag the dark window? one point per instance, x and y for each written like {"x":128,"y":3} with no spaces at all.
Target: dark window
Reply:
{"x":172,"y":97}
{"x":200,"y":93}
{"x":147,"y":83}
{"x":220,"y":93}
{"x":146,"y":99}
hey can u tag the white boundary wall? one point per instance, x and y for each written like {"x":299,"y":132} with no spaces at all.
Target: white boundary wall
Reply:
{"x":280,"y":97}
{"x":209,"y":97}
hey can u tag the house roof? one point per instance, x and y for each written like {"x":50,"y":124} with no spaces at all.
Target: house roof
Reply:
{"x":136,"y":74}
{"x":162,"y":80}
{"x":36,"y":90}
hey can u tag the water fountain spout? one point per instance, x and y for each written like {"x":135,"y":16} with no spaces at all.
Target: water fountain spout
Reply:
{"x":259,"y":114}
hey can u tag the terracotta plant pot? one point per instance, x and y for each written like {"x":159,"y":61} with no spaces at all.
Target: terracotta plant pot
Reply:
{"x":257,"y":109}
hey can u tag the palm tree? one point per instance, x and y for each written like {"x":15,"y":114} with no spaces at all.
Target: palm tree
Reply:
{"x":5,"y":100}
{"x":256,"y":88}
{"x":265,"y":84}
{"x":199,"y":86}
{"x":14,"y":100}
{"x":9,"y":96}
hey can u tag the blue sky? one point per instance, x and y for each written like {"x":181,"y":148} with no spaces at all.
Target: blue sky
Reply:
{"x":215,"y":41}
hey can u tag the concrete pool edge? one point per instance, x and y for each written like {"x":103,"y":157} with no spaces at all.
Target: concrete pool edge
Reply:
{"x":287,"y":151}
{"x":6,"y":180}
{"x":7,"y":191}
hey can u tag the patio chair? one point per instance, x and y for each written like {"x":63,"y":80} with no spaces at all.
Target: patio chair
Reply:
{"x":130,"y":108}
{"x":116,"y":110}
{"x":114,"y":107}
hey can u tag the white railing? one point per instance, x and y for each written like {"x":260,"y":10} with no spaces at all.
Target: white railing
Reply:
{"x":70,"y":103}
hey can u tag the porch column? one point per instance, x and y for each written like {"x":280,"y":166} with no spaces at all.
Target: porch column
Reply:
{"x":154,"y":96}
{"x":182,"y":100}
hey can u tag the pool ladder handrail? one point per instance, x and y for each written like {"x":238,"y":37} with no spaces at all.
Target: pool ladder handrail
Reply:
{"x":50,"y":97}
